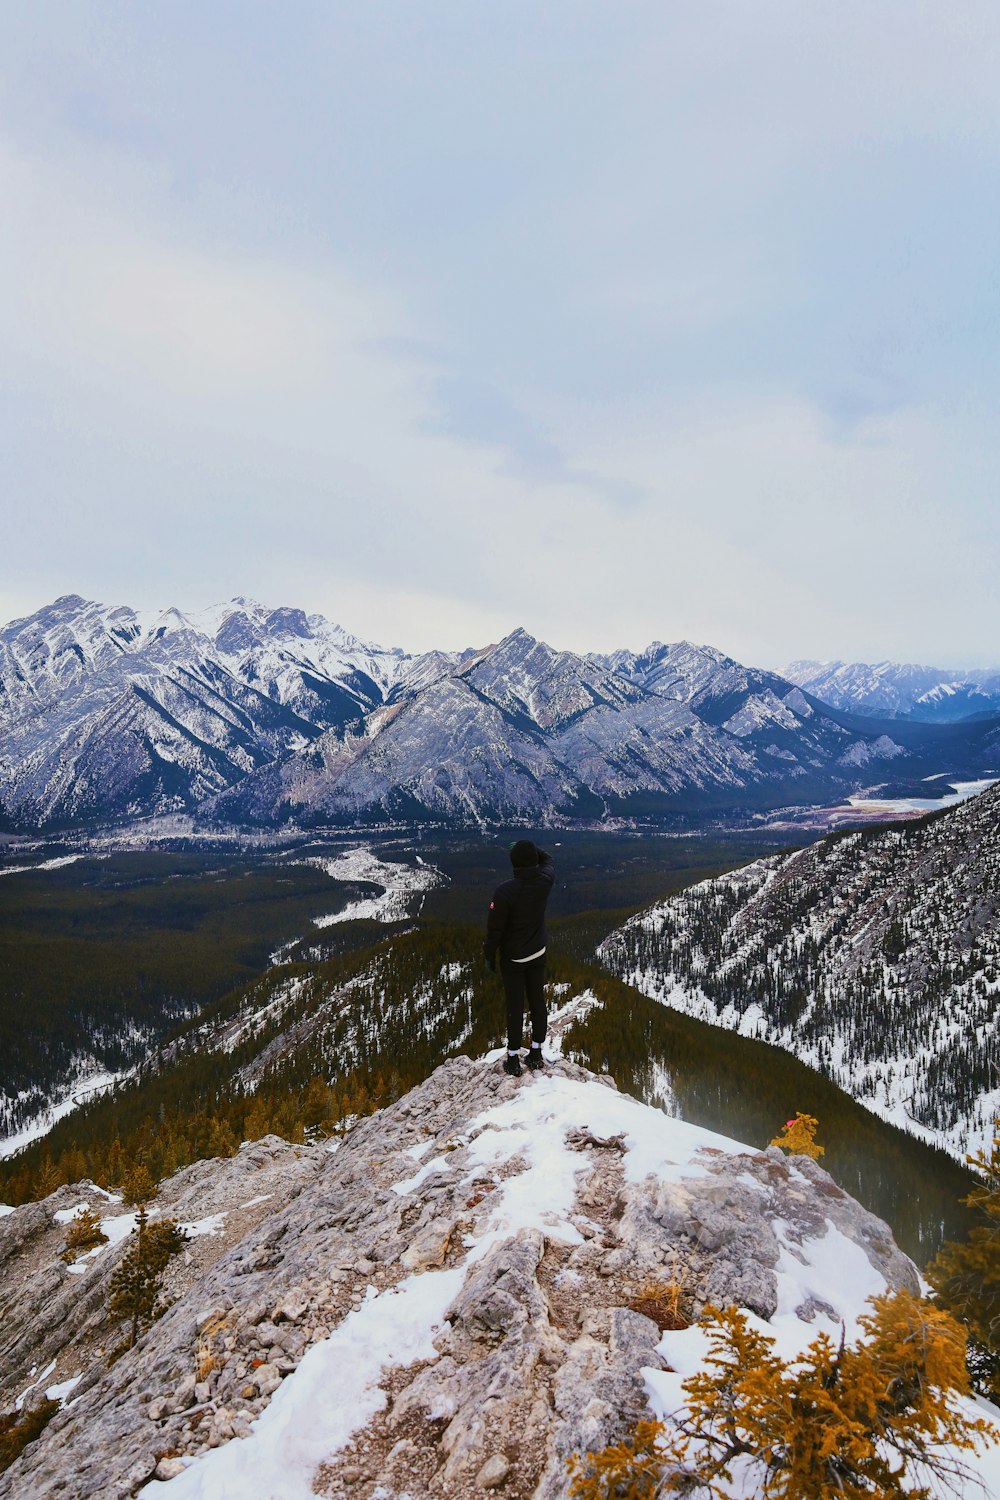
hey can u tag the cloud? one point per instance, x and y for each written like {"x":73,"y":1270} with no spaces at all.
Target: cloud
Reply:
{"x":218,"y":420}
{"x":100,"y":297}
{"x":619,"y":323}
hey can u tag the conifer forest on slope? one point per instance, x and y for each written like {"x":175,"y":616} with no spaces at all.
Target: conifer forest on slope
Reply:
{"x":873,"y":955}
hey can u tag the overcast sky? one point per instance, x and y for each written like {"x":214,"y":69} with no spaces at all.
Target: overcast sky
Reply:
{"x":617,"y":320}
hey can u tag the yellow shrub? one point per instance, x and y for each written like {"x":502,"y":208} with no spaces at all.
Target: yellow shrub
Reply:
{"x":853,"y":1422}
{"x":797,"y":1137}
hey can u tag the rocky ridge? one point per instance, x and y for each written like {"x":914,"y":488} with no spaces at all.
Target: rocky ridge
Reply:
{"x":452,"y":1301}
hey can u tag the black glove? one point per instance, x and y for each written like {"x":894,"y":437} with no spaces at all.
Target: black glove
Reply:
{"x":491,"y":962}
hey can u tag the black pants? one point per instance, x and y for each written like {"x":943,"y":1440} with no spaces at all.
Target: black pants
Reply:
{"x":524,"y":983}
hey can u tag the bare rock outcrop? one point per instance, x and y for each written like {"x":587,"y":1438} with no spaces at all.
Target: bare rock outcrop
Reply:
{"x":540,"y":1223}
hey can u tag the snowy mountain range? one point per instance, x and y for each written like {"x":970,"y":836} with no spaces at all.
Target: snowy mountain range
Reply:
{"x":887,"y":688}
{"x":872,"y":956}
{"x":248,"y":714}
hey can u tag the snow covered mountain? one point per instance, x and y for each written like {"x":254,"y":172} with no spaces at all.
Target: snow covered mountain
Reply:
{"x":522,"y":731}
{"x":715,"y":686}
{"x":874,"y":957}
{"x":890,"y":689}
{"x":516,"y":731}
{"x":107,"y":712}
{"x":250,"y":714}
{"x":449,"y":1303}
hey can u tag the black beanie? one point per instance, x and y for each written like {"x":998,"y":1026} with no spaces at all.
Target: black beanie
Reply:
{"x":523,"y":854}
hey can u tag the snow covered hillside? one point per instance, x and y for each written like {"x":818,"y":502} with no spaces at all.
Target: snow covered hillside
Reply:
{"x":873,"y":956}
{"x":452,"y":1302}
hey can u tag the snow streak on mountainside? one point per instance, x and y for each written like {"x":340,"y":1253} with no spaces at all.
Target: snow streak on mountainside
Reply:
{"x":874,"y":957}
{"x":254,"y":715}
{"x":890,"y":689}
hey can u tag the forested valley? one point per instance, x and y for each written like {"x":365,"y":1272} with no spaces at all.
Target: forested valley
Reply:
{"x":362,"y":1011}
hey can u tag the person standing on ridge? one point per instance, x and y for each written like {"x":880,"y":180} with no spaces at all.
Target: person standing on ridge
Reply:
{"x":516,"y":929}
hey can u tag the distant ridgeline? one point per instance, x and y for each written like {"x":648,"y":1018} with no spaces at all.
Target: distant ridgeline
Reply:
{"x":873,"y":956}
{"x":245,"y":715}
{"x":309,"y":1047}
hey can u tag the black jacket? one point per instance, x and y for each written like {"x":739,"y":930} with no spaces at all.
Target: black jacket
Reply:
{"x":516,"y":923}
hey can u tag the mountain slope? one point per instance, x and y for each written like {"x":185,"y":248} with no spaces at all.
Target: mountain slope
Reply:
{"x":107,"y":713}
{"x":873,"y":956}
{"x":327,"y":1036}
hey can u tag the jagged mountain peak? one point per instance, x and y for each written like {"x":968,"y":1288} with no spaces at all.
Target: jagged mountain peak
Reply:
{"x":520,"y":645}
{"x":531,"y":679}
{"x":66,"y":604}
{"x":521,"y":633}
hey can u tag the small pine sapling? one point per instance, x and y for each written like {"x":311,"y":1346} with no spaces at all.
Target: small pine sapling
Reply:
{"x":135,"y":1285}
{"x":83,"y":1232}
{"x":138,"y":1185}
{"x":797,"y":1137}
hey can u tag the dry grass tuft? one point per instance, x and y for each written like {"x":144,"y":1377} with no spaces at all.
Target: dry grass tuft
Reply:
{"x":669,"y":1301}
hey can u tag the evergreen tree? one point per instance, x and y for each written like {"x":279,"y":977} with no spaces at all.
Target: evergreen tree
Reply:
{"x":48,"y":1177}
{"x":257,"y":1120}
{"x":134,"y":1289}
{"x":966,"y":1276}
{"x":83,"y":1232}
{"x":221,"y":1141}
{"x":138,"y":1185}
{"x":316,"y":1106}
